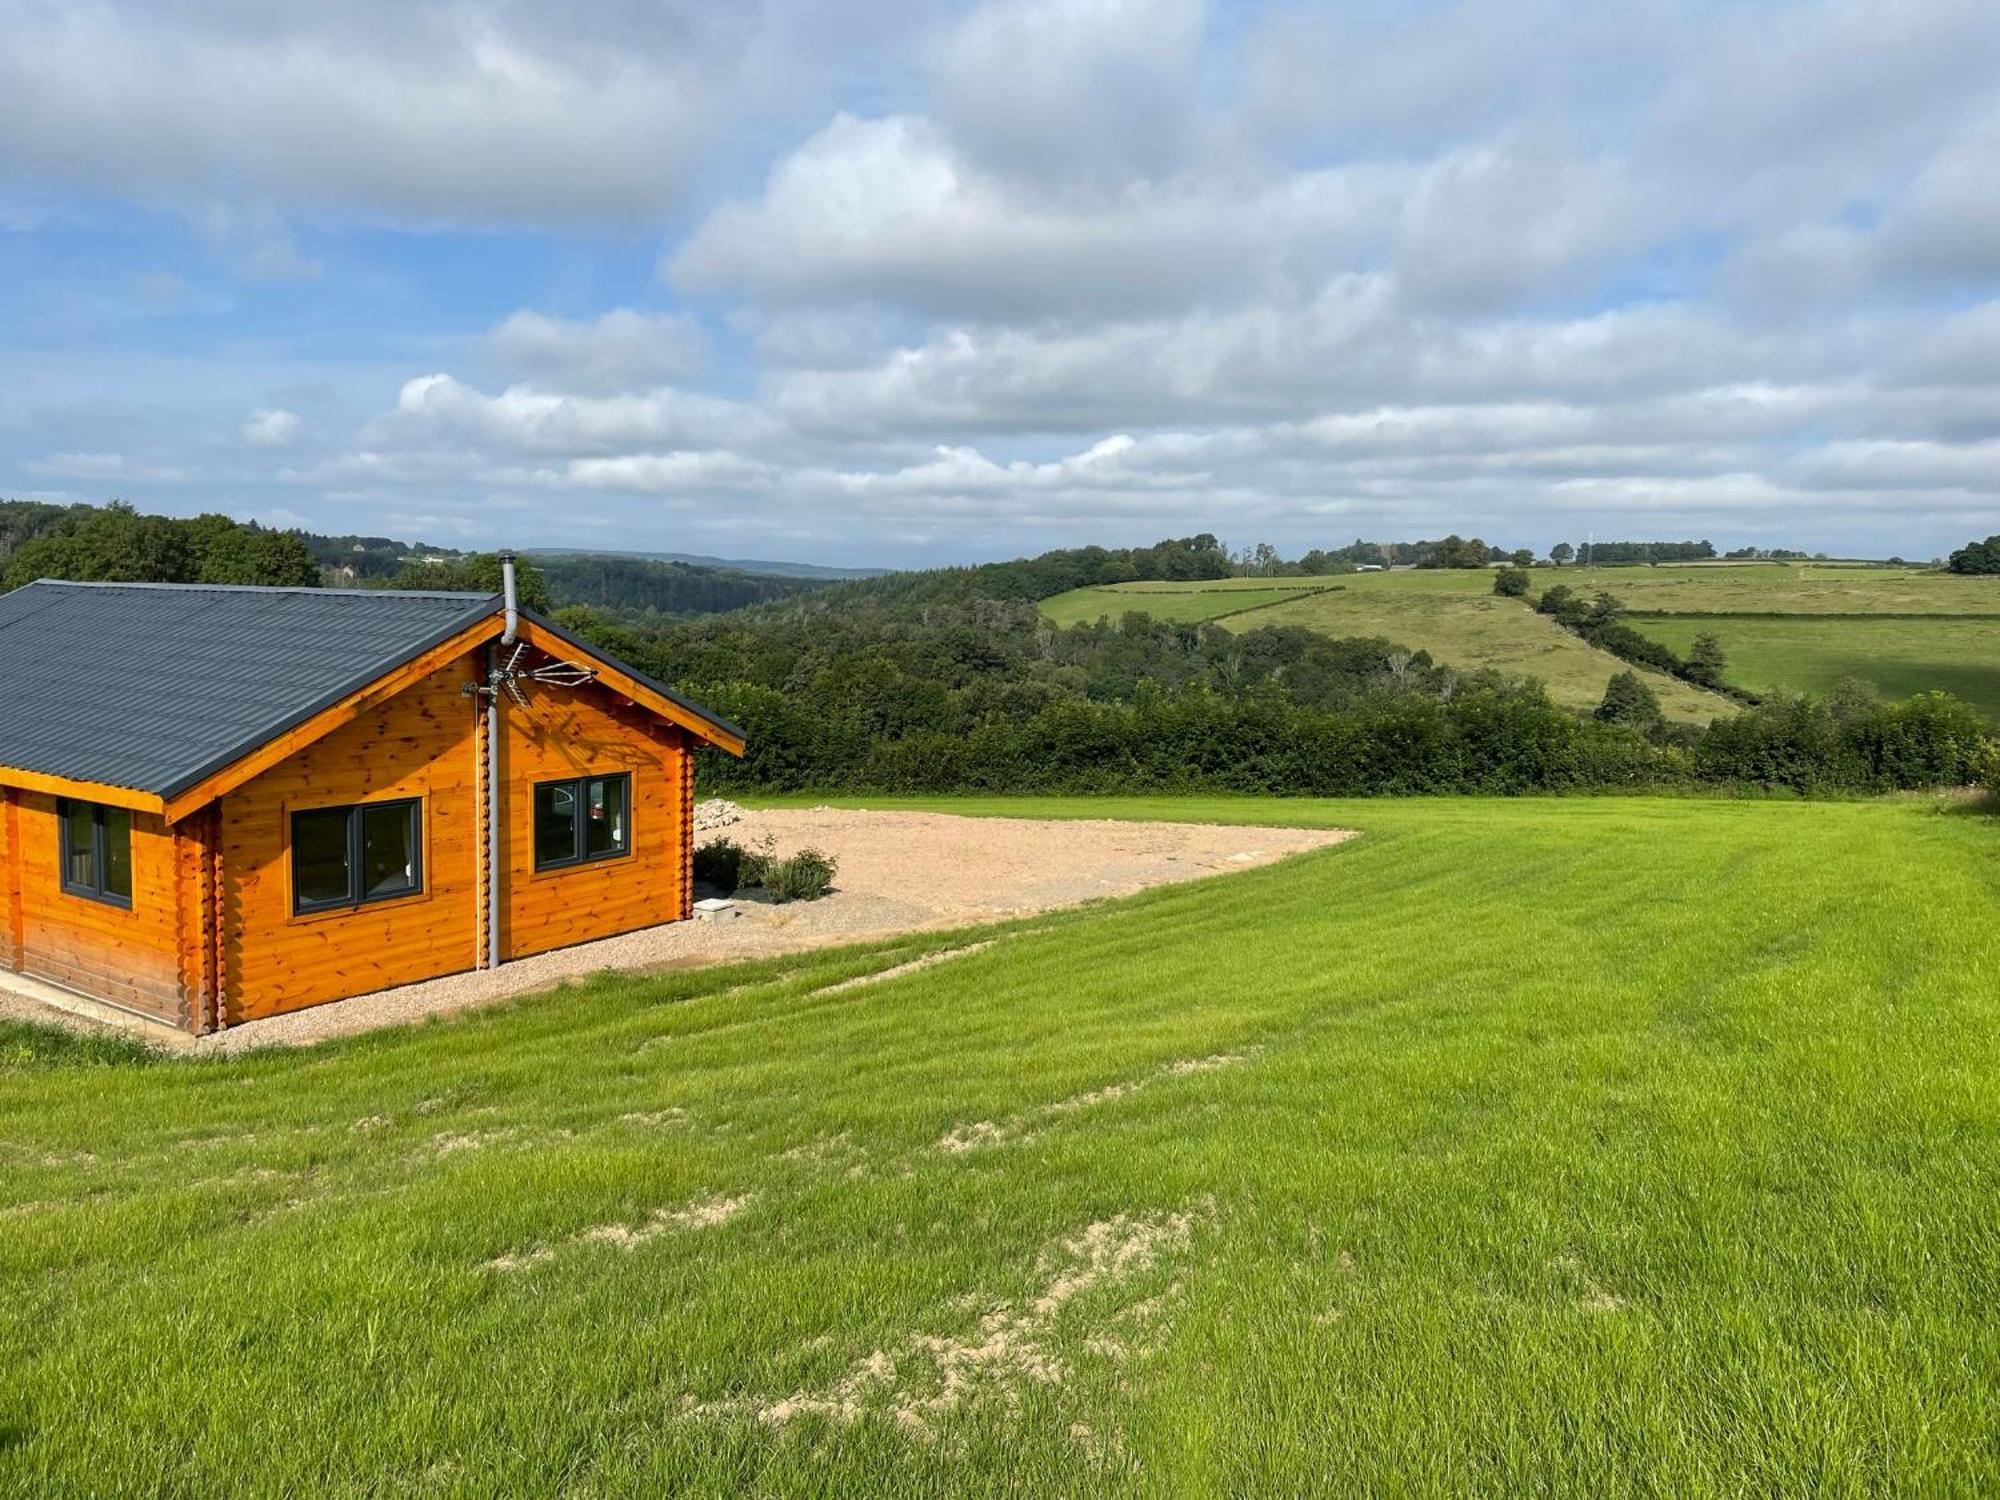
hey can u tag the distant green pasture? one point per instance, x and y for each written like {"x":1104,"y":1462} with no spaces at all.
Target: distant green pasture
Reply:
{"x":1804,"y":654}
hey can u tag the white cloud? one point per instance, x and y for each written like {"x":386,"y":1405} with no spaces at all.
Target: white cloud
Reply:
{"x":1073,"y":89}
{"x":431,"y":111}
{"x":273,"y":427}
{"x":936,"y":281}
{"x":617,"y":350}
{"x":108,"y":467}
{"x":891,"y":210}
{"x":524,"y":420}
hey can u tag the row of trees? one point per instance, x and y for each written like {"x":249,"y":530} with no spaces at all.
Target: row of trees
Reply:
{"x":662,"y":587}
{"x":1616,"y":553}
{"x":951,"y":680}
{"x":117,"y":544}
{"x":1487,"y":737}
{"x":1599,"y":620}
{"x":1977,"y":557}
{"x":924,"y":683}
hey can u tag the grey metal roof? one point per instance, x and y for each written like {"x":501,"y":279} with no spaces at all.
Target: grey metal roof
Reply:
{"x":155,"y":686}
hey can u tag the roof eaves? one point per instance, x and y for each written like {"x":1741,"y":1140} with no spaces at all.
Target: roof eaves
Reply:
{"x":262,"y":588}
{"x":707,"y":716}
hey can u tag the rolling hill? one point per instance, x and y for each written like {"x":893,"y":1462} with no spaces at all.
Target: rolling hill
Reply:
{"x":1451,"y":613}
{"x":1793,"y":627}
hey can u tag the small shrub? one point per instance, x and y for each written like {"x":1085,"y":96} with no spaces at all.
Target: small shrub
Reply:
{"x":757,"y":863}
{"x":719,"y":863}
{"x":1511,"y":583}
{"x":806,"y":876}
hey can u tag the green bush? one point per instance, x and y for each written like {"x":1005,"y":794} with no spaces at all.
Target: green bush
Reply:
{"x":1629,"y":701}
{"x":757,"y":863}
{"x":719,"y":863}
{"x":806,"y":876}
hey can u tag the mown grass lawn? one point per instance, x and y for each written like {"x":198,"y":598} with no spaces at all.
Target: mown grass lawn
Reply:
{"x":1597,"y":1147}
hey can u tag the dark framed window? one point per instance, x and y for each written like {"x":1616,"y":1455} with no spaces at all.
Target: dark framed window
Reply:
{"x":343,"y":856}
{"x":579,"y":821}
{"x":96,"y":851}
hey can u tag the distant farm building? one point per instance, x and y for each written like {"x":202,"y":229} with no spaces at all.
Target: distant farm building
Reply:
{"x":221,"y":803}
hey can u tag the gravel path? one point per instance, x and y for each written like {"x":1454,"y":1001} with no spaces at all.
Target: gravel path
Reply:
{"x":899,"y":872}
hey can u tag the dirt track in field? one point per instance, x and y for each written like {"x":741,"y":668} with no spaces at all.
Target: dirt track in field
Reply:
{"x":899,"y":872}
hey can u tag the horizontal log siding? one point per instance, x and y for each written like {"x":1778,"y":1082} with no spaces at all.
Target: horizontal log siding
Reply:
{"x":418,"y":743}
{"x":565,"y":732}
{"x":129,"y":957}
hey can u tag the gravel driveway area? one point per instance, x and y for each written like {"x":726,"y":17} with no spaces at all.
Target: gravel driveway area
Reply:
{"x":899,"y":872}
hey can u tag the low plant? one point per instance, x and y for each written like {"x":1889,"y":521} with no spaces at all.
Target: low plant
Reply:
{"x":806,"y":876}
{"x":719,"y":863}
{"x":757,"y":862}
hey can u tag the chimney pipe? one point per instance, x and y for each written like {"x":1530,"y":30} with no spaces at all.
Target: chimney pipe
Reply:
{"x":512,"y":598}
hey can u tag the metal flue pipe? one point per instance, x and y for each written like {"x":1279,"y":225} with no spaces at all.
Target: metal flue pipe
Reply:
{"x":512,"y":598}
{"x":494,"y":802}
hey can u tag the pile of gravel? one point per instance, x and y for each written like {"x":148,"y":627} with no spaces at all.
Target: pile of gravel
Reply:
{"x":714,"y":814}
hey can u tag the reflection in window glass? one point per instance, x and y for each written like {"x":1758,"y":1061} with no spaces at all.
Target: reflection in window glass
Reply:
{"x":96,"y":851}
{"x":606,"y":828}
{"x":319,"y":857}
{"x":555,"y":823}
{"x":388,"y":850}
{"x":116,"y":829}
{"x":80,"y":845}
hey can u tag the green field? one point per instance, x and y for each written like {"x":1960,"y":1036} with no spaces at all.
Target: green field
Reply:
{"x":1179,"y":602}
{"x":1898,"y":657}
{"x":1590,"y":1147}
{"x":1788,"y":588}
{"x":1453,"y":615}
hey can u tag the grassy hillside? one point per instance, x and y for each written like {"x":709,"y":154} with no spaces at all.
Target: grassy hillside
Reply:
{"x":1207,"y":599}
{"x":1789,"y":588}
{"x":1457,"y":618}
{"x":1451,"y":613}
{"x":1898,"y":657}
{"x":1503,"y":1149}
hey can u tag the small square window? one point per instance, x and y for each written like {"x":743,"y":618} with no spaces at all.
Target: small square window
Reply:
{"x":96,"y":851}
{"x":344,"y":856}
{"x":583,"y":820}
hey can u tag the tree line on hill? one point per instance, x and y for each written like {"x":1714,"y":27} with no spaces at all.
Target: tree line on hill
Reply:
{"x":950,"y":680}
{"x":1977,"y":558}
{"x":116,"y":543}
{"x":669,"y":588}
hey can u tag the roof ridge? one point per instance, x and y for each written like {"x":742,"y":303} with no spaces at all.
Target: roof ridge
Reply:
{"x":263,"y":588}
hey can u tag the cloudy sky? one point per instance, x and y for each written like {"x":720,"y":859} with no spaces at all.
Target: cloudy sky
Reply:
{"x":870,"y":281}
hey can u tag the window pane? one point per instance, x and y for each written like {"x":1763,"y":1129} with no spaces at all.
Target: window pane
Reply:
{"x":605,"y":828}
{"x":319,"y":856}
{"x":118,"y":852}
{"x":389,"y":842}
{"x":80,"y":845}
{"x":555,"y":823}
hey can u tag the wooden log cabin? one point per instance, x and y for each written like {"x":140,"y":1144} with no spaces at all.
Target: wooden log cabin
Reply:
{"x":222,"y":803}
